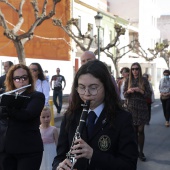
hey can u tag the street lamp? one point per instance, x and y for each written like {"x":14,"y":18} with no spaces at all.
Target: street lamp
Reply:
{"x":98,"y":19}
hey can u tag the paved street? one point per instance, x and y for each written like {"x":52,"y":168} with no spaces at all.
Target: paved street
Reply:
{"x":157,"y":141}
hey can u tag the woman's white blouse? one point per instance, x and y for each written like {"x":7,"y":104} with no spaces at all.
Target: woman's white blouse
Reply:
{"x":44,"y":87}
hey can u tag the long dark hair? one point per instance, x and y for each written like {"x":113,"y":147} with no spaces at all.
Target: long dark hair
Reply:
{"x":99,"y":70}
{"x":41,"y":73}
{"x":140,"y":77}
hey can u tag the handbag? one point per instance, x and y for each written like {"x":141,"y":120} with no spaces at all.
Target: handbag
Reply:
{"x":148,"y":100}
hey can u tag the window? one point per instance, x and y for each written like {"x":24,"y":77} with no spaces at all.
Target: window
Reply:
{"x":79,"y":22}
{"x":90,"y":29}
{"x":110,"y":35}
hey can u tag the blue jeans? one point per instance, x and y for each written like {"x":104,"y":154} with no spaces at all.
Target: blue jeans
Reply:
{"x":59,"y":95}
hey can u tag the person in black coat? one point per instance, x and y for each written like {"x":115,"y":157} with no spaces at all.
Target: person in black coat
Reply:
{"x":22,"y":146}
{"x":7,"y":66}
{"x":111,"y":144}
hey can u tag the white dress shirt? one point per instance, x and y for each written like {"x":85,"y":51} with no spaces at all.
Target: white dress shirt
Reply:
{"x":44,"y":87}
{"x":97,"y":111}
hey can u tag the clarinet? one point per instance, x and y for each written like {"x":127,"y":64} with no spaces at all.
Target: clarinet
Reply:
{"x":79,"y":130}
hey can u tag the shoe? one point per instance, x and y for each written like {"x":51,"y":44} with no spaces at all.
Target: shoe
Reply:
{"x":167,"y":124}
{"x":142,"y":157}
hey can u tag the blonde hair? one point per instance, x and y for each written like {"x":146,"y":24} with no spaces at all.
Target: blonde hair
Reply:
{"x":46,"y":108}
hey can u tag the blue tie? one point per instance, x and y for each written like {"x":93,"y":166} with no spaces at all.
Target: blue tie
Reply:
{"x":91,"y":122}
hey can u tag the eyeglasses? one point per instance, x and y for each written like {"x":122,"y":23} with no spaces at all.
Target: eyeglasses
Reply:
{"x":23,"y":78}
{"x":91,"y":90}
{"x":34,"y":69}
{"x":124,"y":72}
{"x":135,"y":69}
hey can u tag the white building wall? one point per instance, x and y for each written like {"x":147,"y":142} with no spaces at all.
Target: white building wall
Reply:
{"x":164,"y":26}
{"x":144,"y":15}
{"x":66,"y":69}
{"x":87,"y":16}
{"x":148,"y":15}
{"x":127,"y":9}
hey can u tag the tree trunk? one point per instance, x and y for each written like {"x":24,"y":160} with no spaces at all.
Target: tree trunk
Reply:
{"x":20,"y":52}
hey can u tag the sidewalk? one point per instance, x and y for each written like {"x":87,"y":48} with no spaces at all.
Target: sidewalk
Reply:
{"x":64,"y":108}
{"x":58,"y":117}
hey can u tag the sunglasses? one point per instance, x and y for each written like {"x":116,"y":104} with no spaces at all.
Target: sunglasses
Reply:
{"x":135,"y":69}
{"x":23,"y":78}
{"x":34,"y":69}
{"x":125,"y":72}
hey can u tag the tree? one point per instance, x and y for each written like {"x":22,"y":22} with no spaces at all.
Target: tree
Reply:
{"x":19,"y":39}
{"x":134,"y":45}
{"x":160,"y":50}
{"x":165,"y":54}
{"x":77,"y":36}
{"x":79,"y":39}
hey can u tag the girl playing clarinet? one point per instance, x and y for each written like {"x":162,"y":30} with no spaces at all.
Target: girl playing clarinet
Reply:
{"x":110,"y":143}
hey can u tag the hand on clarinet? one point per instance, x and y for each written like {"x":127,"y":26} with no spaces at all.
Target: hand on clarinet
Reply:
{"x":66,"y":165}
{"x":82,"y":149}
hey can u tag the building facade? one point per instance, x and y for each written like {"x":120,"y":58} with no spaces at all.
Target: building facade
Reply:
{"x":142,"y":14}
{"x":53,"y":48}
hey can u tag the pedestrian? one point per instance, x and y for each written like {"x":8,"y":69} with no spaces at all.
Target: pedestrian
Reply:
{"x":125,"y":73}
{"x":41,"y":83}
{"x":164,"y":88}
{"x":150,"y":99}
{"x":49,"y":136}
{"x":118,"y":79}
{"x":7,"y":66}
{"x":23,"y":146}
{"x":88,"y":56}
{"x":111,"y":144}
{"x":56,"y":86}
{"x":136,"y":91}
{"x":47,"y":77}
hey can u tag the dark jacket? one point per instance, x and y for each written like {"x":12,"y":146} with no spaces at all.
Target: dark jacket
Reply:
{"x":2,"y":86}
{"x":114,"y":147}
{"x":23,"y":135}
{"x":3,"y":126}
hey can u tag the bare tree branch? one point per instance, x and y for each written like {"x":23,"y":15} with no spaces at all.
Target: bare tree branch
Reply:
{"x":134,"y":45}
{"x":21,"y":19}
{"x":20,"y":40}
{"x":35,"y":7}
{"x":9,"y":4}
{"x":159,"y":47}
{"x":79,"y":37}
{"x":2,"y":19}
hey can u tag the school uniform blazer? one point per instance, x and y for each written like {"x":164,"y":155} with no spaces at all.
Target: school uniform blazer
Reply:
{"x":23,"y":134}
{"x":114,"y":148}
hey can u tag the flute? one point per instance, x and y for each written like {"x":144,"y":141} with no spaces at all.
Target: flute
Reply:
{"x":13,"y":91}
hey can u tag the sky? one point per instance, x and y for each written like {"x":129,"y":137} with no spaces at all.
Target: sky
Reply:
{"x":165,"y":7}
